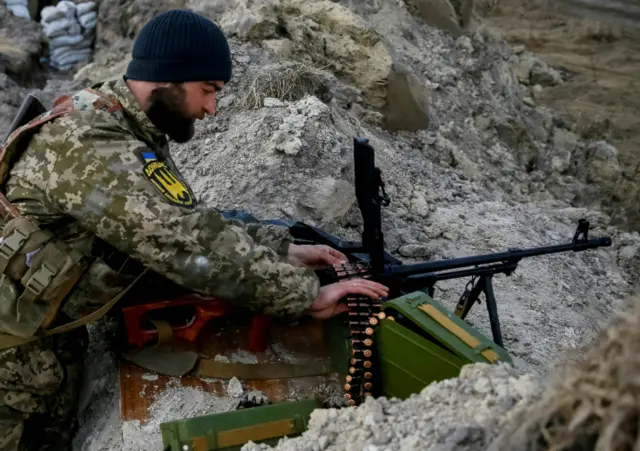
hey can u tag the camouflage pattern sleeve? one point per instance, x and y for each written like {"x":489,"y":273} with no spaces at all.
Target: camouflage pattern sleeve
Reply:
{"x":276,"y":237}
{"x":98,"y":175}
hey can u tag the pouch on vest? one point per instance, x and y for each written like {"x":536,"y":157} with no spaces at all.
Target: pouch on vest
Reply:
{"x":36,"y":273}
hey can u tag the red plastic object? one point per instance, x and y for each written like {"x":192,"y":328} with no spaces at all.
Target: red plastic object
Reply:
{"x":141,"y":332}
{"x":259,"y":333}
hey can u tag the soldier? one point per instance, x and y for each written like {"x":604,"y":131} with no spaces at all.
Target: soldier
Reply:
{"x":95,"y":199}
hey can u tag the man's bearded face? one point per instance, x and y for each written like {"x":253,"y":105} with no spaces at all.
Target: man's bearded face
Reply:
{"x":167,"y":111}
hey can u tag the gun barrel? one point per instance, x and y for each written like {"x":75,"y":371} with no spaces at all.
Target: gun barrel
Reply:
{"x":508,"y":256}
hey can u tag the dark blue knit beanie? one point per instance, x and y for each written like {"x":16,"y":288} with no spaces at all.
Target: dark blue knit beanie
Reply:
{"x":180,"y":46}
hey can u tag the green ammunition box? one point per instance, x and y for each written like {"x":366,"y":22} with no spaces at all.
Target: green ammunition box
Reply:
{"x":426,"y":343}
{"x":229,"y":431}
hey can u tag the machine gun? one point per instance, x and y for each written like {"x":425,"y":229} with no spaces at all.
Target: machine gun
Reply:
{"x":402,"y":279}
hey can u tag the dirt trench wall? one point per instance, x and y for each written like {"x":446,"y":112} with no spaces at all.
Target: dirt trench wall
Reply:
{"x":622,"y":12}
{"x":21,"y":46}
{"x":597,"y":59}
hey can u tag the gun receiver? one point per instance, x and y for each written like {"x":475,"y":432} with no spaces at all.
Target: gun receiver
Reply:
{"x":369,"y":185}
{"x":402,"y":279}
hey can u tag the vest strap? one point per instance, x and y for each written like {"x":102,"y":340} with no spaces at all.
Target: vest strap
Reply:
{"x":10,"y":247}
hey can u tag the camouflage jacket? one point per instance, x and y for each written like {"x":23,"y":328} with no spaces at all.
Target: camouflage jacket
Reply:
{"x":97,"y":176}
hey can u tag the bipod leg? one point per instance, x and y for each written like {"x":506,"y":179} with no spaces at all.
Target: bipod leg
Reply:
{"x":431,"y":289}
{"x":468,"y":298}
{"x":492,"y":309}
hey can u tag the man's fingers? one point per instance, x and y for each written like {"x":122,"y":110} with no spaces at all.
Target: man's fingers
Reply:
{"x":333,"y":257}
{"x":340,"y":257}
{"x":365,"y":287}
{"x":341,"y":308}
{"x":330,"y":311}
{"x":368,"y":292}
{"x":330,"y":295}
{"x":383,"y":290}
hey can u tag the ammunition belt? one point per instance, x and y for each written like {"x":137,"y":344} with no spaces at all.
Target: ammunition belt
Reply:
{"x":364,"y":315}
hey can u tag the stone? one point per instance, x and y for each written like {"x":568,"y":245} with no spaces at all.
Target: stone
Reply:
{"x":226,"y":101}
{"x":629,"y":252}
{"x":465,"y":43}
{"x":515,"y":136}
{"x":560,"y":161}
{"x":564,"y":139}
{"x":281,"y":47}
{"x":234,"y":388}
{"x":407,"y":100}
{"x":212,"y":8}
{"x":418,"y":204}
{"x":536,"y":91}
{"x":415,"y":250}
{"x":523,"y":68}
{"x":544,"y":75}
{"x":602,"y":164}
{"x":326,"y":198}
{"x":437,"y":13}
{"x":271,"y":102}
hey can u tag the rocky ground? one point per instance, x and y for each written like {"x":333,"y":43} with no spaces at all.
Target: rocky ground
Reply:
{"x":479,"y":153}
{"x":599,"y":60}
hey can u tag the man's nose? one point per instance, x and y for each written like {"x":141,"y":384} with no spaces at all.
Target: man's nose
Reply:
{"x":210,"y":107}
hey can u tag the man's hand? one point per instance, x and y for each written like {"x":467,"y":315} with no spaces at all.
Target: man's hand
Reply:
{"x":314,"y":256}
{"x":326,"y":304}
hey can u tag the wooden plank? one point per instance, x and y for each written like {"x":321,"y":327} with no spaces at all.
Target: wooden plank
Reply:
{"x":291,"y":344}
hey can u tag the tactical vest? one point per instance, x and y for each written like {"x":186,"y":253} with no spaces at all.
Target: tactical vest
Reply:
{"x":38,"y":271}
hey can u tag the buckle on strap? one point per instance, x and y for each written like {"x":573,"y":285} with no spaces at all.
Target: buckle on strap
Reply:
{"x":9,"y":246}
{"x":38,"y":282}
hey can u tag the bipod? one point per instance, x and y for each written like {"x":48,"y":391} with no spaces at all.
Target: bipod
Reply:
{"x":471,"y":296}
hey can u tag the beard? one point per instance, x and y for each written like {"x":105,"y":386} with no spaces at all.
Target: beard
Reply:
{"x":166,"y":111}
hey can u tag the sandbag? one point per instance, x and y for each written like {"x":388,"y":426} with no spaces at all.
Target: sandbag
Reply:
{"x":84,"y":8}
{"x":49,"y":14}
{"x":20,"y":11}
{"x":59,"y":27}
{"x":88,"y":18}
{"x":70,"y":29}
{"x":61,"y":41}
{"x":18,"y":8}
{"x":67,"y":7}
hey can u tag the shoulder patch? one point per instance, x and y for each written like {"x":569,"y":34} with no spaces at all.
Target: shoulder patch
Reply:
{"x":170,"y":184}
{"x":91,"y":99}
